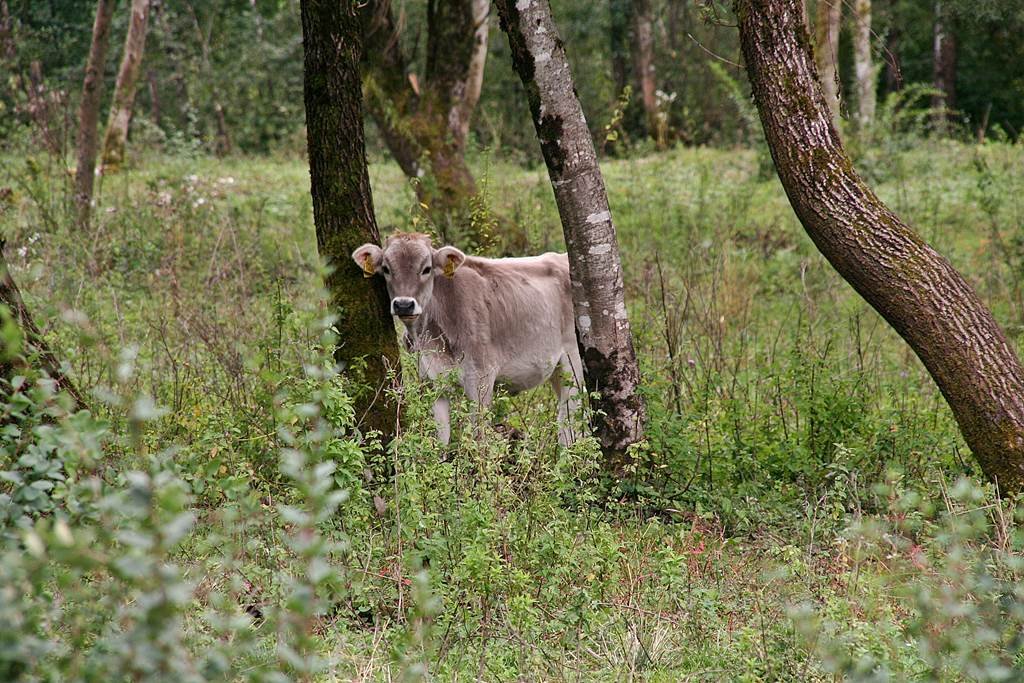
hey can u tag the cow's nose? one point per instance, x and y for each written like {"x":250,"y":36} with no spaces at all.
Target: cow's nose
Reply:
{"x":403,"y":305}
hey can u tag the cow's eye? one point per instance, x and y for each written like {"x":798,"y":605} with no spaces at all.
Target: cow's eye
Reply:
{"x":426,"y":271}
{"x":386,"y":270}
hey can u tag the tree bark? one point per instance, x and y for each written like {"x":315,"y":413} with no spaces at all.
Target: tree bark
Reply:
{"x":863,"y":64}
{"x":124,"y":89}
{"x":826,"y":52}
{"x":343,"y":202}
{"x":429,"y":123}
{"x":943,"y":66}
{"x":914,"y":288}
{"x":643,"y":66}
{"x":618,"y":38}
{"x":33,"y":348}
{"x":602,"y":324}
{"x":89,"y":112}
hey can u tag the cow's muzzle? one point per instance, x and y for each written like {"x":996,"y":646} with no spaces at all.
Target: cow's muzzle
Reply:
{"x":405,"y":308}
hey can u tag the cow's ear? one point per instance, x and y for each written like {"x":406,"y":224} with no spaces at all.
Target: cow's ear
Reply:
{"x":368,"y":258}
{"x":448,"y":259}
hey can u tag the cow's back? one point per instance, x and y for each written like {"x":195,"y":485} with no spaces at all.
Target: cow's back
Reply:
{"x":514,"y":314}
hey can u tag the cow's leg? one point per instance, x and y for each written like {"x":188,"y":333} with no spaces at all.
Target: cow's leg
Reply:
{"x":443,"y":419}
{"x":566,"y":380}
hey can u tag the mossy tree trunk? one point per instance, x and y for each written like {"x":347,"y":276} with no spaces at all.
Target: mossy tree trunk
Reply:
{"x":124,"y":89}
{"x":602,"y":325}
{"x":826,"y":52}
{"x":342,"y":201}
{"x":913,"y":287}
{"x":89,"y":112}
{"x":32,"y":349}
{"x":425,"y":124}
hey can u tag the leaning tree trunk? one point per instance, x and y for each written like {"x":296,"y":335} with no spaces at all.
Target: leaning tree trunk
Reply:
{"x":32,"y":349}
{"x":342,"y":201}
{"x":863,"y":66}
{"x":826,"y":52}
{"x":124,"y":90}
{"x":643,"y":66}
{"x":943,"y":67}
{"x":602,"y":325}
{"x":429,"y":121}
{"x":89,"y":112}
{"x":914,"y":288}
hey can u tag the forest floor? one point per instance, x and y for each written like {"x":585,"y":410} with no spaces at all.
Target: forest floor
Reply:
{"x":804,"y":508}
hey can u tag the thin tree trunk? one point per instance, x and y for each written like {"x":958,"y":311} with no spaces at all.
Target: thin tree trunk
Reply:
{"x":89,"y":112}
{"x":602,"y":325}
{"x":913,"y":287}
{"x":33,"y":347}
{"x":943,"y":67}
{"x":826,"y":52}
{"x":467,"y":92}
{"x":643,"y":66}
{"x":124,"y":89}
{"x":342,"y":200}
{"x":863,"y":64}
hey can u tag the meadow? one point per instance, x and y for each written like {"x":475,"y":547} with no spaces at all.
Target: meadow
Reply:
{"x":804,"y":509}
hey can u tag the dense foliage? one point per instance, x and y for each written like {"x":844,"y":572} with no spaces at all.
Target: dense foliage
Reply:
{"x":245,"y":57}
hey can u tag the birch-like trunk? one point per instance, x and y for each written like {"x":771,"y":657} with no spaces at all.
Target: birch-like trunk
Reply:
{"x":943,"y":66}
{"x":342,"y":200}
{"x":89,"y":112}
{"x":466,"y":91}
{"x":913,"y":287}
{"x":864,"y":67}
{"x":602,"y":325}
{"x":124,"y":89}
{"x":826,"y":52}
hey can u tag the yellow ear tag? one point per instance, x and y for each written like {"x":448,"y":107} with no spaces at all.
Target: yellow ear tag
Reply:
{"x":368,"y":270}
{"x":449,"y":267}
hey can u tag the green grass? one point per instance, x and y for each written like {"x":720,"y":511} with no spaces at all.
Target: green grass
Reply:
{"x":783,"y":411}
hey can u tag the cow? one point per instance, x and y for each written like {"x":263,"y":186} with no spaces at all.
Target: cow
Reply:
{"x":507,"y":321}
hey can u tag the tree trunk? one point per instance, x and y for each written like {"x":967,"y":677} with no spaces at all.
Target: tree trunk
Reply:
{"x":467,"y":92}
{"x":431,"y":123}
{"x":643,"y":66}
{"x":89,"y":112}
{"x":826,"y":52}
{"x":124,"y":89}
{"x":33,"y":348}
{"x":943,"y":67}
{"x":863,"y":65}
{"x":342,"y":200}
{"x":602,"y":325}
{"x":914,"y":288}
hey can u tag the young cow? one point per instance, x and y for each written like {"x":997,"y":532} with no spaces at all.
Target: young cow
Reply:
{"x":496,"y":320}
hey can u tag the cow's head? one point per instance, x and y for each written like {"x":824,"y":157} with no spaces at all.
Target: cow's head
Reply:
{"x":410,"y":265}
